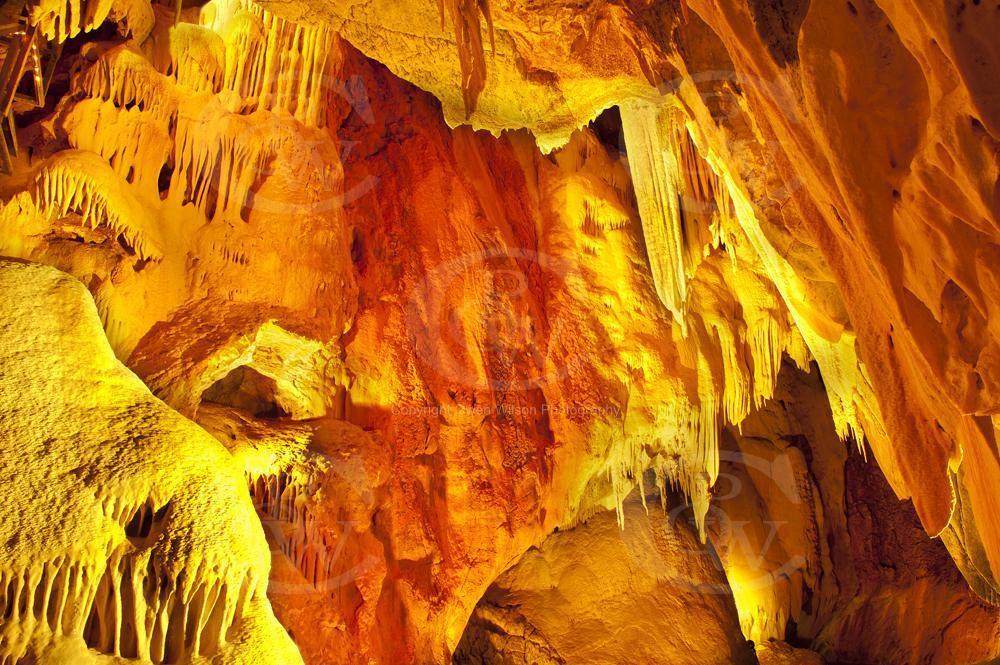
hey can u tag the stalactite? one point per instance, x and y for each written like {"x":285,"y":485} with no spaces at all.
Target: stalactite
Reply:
{"x":685,"y":457}
{"x":268,"y":63}
{"x":80,"y":182}
{"x":653,"y":161}
{"x":63,"y":19}
{"x":208,"y":114}
{"x":675,"y":164}
{"x":285,"y":497}
{"x":465,"y":18}
{"x":125,"y":78}
{"x":135,"y":144}
{"x":706,"y":208}
{"x":735,"y":327}
{"x":706,"y":426}
{"x":139,"y":610}
{"x":851,"y":397}
{"x":218,"y":157}
{"x":684,"y":207}
{"x":124,"y":601}
{"x":272,"y":63}
{"x":197,"y":57}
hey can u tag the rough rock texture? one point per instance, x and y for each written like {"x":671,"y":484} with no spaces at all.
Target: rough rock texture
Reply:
{"x":461,"y":343}
{"x":127,"y":529}
{"x":820,"y":552}
{"x":842,"y":166}
{"x":428,"y":348}
{"x":858,"y":142}
{"x":780,"y":653}
{"x":815,"y":550}
{"x":599,"y":594}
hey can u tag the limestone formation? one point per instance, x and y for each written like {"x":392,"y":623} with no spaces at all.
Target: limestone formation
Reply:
{"x":563,"y":603}
{"x":412,"y":332}
{"x":128,"y":529}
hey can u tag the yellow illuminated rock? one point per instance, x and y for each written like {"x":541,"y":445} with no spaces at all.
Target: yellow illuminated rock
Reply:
{"x":718,"y":279}
{"x":128,"y":529}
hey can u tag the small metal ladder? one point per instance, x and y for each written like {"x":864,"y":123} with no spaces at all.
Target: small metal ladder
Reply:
{"x":22,"y":49}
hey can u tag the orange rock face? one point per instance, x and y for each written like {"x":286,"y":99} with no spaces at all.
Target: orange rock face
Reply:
{"x":533,"y":328}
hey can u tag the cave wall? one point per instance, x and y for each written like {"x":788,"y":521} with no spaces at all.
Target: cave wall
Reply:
{"x":858,"y":141}
{"x":128,"y":531}
{"x":599,"y":594}
{"x":828,"y":557}
{"x":475,"y":338}
{"x":807,"y":546}
{"x":515,"y":414}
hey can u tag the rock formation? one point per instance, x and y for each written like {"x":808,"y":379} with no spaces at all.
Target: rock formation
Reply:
{"x":609,"y":614}
{"x":128,"y":531}
{"x":501,"y":332}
